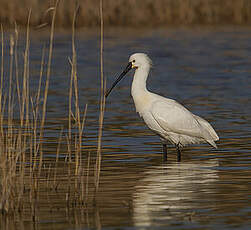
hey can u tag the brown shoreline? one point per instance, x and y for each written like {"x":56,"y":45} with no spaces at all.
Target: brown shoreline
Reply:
{"x":129,"y":13}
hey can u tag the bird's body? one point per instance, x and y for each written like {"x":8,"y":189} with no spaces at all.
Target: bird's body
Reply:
{"x":171,"y":121}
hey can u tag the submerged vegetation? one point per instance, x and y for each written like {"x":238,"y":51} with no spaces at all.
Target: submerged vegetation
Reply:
{"x":129,"y":12}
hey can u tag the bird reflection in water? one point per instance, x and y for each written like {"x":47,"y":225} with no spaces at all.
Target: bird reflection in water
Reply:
{"x":174,"y":191}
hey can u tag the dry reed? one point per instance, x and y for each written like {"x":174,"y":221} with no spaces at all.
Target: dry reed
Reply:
{"x":23,"y":171}
{"x":102,"y":102}
{"x":47,"y":83}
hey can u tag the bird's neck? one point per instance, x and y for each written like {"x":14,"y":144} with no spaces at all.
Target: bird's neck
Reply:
{"x":139,"y":80}
{"x":139,"y":91}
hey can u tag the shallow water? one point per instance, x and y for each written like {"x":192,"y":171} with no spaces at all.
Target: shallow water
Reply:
{"x":208,"y":71}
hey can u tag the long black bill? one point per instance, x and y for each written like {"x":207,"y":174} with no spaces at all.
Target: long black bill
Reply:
{"x":127,"y":69}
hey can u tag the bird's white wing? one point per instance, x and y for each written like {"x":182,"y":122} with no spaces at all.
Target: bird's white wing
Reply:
{"x":173,"y":117}
{"x":207,"y":126}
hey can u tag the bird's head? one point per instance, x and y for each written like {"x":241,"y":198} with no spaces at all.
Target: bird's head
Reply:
{"x":140,"y":60}
{"x":137,"y":60}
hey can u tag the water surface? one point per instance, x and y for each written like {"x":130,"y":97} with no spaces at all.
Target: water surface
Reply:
{"x":208,"y":71}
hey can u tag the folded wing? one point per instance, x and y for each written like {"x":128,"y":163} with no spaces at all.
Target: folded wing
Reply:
{"x":173,"y":117}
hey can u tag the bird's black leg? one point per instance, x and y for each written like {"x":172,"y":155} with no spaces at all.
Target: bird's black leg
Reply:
{"x":165,"y":152}
{"x":178,"y":153}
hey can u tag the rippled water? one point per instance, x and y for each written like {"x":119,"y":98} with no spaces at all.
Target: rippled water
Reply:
{"x":208,"y":71}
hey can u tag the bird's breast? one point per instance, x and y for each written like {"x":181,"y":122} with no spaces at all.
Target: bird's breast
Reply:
{"x":142,"y":103}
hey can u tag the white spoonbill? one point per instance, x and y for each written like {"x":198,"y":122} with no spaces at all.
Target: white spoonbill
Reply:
{"x":171,"y":121}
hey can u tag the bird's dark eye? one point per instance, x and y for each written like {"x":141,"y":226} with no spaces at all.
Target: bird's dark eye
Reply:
{"x":133,"y":61}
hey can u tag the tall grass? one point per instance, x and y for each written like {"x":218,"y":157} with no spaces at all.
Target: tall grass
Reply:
{"x":47,"y":83}
{"x":102,"y":100}
{"x":129,"y":12}
{"x":23,"y":171}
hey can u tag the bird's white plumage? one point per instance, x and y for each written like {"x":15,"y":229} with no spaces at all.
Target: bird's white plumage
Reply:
{"x":166,"y":117}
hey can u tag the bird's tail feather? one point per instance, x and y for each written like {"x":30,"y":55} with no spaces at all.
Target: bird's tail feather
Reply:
{"x":211,"y":142}
{"x":209,"y":129}
{"x":211,"y":136}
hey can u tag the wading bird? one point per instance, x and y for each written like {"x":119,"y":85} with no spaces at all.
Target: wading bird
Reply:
{"x":171,"y":121}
